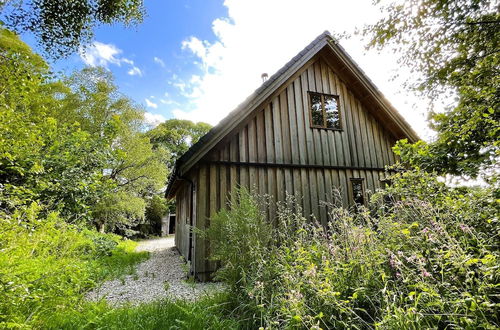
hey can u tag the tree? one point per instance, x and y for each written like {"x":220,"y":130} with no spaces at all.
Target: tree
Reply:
{"x":95,"y":103}
{"x":177,"y":136}
{"x":41,"y":160}
{"x":137,"y":172}
{"x":62,"y":27}
{"x":156,"y":209}
{"x":75,"y":146}
{"x":454,"y":45}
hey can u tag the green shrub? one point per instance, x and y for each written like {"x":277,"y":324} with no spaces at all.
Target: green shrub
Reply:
{"x":426,"y":261}
{"x":103,"y":244}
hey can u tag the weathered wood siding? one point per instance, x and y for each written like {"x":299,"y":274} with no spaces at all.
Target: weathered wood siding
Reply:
{"x":183,"y":207}
{"x":280,"y":133}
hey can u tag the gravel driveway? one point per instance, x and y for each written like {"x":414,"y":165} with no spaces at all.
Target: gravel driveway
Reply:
{"x":162,"y":275}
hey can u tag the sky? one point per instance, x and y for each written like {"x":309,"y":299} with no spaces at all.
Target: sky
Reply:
{"x":198,"y":59}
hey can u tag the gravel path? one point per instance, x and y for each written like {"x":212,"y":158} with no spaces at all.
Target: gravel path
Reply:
{"x":162,"y":275}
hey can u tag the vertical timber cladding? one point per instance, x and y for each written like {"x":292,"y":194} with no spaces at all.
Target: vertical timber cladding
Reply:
{"x":279,"y":132}
{"x":183,"y":200}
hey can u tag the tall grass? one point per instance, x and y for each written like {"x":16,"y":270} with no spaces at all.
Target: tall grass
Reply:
{"x":47,"y":265}
{"x":207,"y":313}
{"x":429,"y":259}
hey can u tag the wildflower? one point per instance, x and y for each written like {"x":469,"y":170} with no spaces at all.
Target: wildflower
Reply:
{"x":425,"y":273}
{"x":393,"y":261}
{"x":465,"y":228}
{"x":295,"y":295}
{"x":311,"y":272}
{"x":411,"y":258}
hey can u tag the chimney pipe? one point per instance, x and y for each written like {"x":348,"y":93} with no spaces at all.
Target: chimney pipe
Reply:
{"x":264,"y":77}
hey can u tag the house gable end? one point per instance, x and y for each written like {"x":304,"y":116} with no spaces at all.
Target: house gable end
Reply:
{"x":333,"y":72}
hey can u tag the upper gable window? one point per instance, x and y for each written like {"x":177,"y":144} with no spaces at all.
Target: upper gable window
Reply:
{"x":325,"y":112}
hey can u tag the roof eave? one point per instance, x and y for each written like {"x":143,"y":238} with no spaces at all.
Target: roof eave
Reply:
{"x":368,"y":85}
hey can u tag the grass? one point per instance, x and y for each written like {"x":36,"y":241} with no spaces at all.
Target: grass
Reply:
{"x":121,"y":262}
{"x":207,"y":313}
{"x":47,"y":267}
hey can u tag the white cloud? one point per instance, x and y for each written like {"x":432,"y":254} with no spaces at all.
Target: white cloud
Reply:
{"x":126,"y":60}
{"x":180,"y":85}
{"x":150,"y":104}
{"x":135,"y":71}
{"x":196,"y":46}
{"x":253,"y":40}
{"x":153,"y":119}
{"x":101,"y":54}
{"x":159,"y":61}
{"x":168,"y":101}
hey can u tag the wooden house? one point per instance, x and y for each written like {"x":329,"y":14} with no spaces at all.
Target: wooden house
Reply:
{"x":317,"y":124}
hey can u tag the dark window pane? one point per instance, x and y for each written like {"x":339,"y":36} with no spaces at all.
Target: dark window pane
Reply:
{"x":332,"y":112}
{"x":357,"y":192}
{"x":316,"y":111}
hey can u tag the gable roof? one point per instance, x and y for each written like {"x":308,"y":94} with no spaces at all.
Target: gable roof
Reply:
{"x":337,"y":57}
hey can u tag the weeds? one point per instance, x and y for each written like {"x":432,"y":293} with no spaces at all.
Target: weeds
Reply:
{"x":419,"y":262}
{"x":208,"y":313}
{"x":47,"y":265}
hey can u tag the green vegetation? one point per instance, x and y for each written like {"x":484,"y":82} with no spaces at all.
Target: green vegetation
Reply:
{"x":428,"y":259}
{"x":207,"y":313}
{"x":76,"y":146}
{"x":47,"y":265}
{"x":62,"y":27}
{"x":177,"y":136}
{"x":452,"y":46}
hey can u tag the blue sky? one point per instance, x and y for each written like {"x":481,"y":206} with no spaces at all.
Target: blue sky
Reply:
{"x":155,"y":48}
{"x":198,"y":60}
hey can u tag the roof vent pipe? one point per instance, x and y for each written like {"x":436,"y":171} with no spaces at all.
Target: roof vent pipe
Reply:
{"x":264,"y":77}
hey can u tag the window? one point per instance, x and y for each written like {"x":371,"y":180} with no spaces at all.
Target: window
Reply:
{"x":325,"y":112}
{"x":358,"y":195}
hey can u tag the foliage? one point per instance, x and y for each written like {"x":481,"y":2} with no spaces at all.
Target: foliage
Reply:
{"x":47,"y":265}
{"x":206,"y":313}
{"x":39,"y":159}
{"x":94,"y":101}
{"x":156,"y":209}
{"x":246,"y":238}
{"x":119,"y":211}
{"x":62,"y":27}
{"x":454,"y":46}
{"x":177,"y":136}
{"x":136,"y":171}
{"x":74,"y":146}
{"x":428,"y":260}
